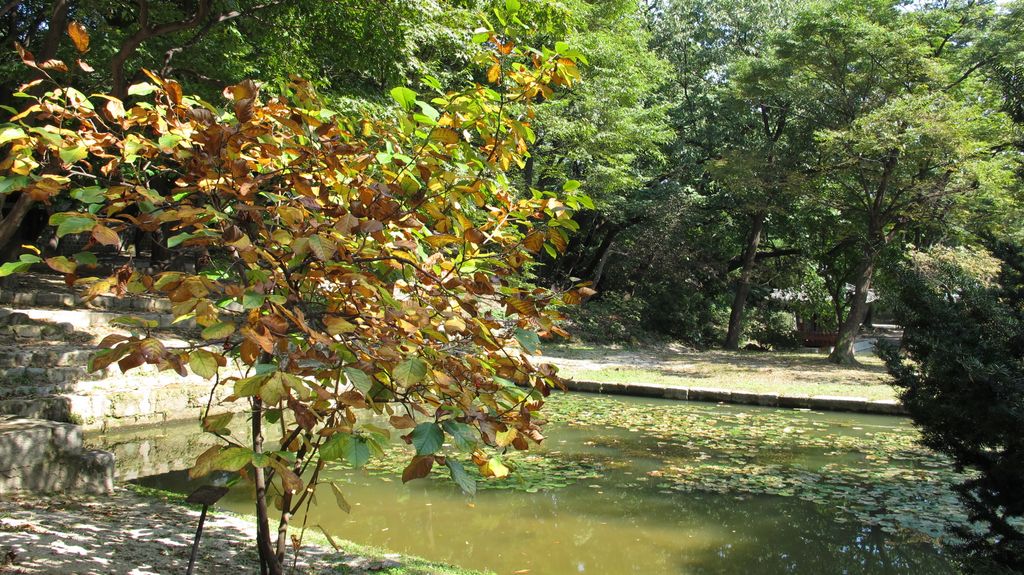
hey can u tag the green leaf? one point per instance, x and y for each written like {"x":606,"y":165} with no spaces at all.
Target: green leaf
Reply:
{"x":218,"y":422}
{"x":13,"y":183}
{"x":359,"y":454}
{"x":410,"y":371}
{"x":570,"y":185}
{"x":252,"y":300}
{"x":74,"y":225}
{"x":85,"y":258}
{"x":62,"y":265}
{"x":512,"y":6}
{"x":427,"y":438}
{"x":177,"y":239}
{"x":358,"y":379}
{"x":14,"y":268}
{"x":404,"y":96}
{"x":528,"y":339}
{"x":220,"y":458}
{"x":141,"y":89}
{"x":10,"y":132}
{"x":232,"y":459}
{"x":72,"y":155}
{"x":336,"y":447}
{"x":428,"y":110}
{"x":167,"y":142}
{"x":203,"y":363}
{"x":273,"y":391}
{"x":461,"y":478}
{"x":340,"y":498}
{"x":464,"y":436}
{"x":250,"y":386}
{"x":351,"y":448}
{"x":219,"y":330}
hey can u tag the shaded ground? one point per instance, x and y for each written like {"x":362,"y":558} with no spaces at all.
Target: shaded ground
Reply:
{"x":131,"y":534}
{"x":783,"y":372}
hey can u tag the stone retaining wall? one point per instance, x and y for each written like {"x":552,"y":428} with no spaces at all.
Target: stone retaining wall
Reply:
{"x":819,"y":402}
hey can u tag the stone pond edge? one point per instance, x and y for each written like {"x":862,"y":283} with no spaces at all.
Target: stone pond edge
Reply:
{"x":818,"y":402}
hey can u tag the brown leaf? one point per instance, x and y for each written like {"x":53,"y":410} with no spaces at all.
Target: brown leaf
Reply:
{"x":277,"y":324}
{"x":289,"y":480}
{"x":303,"y":416}
{"x":402,"y":422}
{"x":130,"y":361}
{"x":54,"y":65}
{"x":419,"y":467}
{"x":105,"y":236}
{"x":26,"y":57}
{"x":173,"y":91}
{"x":152,"y":350}
{"x":79,"y":36}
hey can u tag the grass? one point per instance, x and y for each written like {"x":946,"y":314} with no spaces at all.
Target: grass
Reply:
{"x":408,"y":565}
{"x":782,"y":372}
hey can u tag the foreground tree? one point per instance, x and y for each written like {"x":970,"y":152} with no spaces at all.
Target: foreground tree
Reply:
{"x":358,"y":264}
{"x":961,"y":376}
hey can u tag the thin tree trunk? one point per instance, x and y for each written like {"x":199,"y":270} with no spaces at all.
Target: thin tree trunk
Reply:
{"x":600,"y":256}
{"x":269,"y":564}
{"x":12,"y":222}
{"x":739,"y":301}
{"x":843,"y":352}
{"x":599,"y":271}
{"x":55,"y":31}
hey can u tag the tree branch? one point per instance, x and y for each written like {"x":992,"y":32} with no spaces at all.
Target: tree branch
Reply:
{"x":219,"y":19}
{"x":146,"y":32}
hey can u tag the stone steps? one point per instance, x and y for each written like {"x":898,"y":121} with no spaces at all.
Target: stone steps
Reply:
{"x":34,"y":298}
{"x":82,"y":318}
{"x":43,"y":456}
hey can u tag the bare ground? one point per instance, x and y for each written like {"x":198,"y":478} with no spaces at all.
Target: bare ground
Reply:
{"x":131,"y":534}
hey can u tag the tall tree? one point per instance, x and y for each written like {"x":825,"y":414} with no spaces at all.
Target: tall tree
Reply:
{"x":897,"y":146}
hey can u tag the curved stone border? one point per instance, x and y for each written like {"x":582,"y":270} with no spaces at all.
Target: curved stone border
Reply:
{"x":818,"y":402}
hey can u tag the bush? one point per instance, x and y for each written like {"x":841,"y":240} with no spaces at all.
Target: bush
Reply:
{"x":613,"y":318}
{"x":961,"y":376}
{"x":773,"y":328}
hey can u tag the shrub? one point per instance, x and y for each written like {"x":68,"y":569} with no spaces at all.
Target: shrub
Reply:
{"x":960,"y":373}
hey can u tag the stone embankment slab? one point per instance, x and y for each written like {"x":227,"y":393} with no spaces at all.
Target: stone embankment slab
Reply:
{"x":43,"y":456}
{"x":819,"y":402}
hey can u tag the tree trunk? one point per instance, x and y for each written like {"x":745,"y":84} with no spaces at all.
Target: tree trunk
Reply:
{"x":12,"y":222}
{"x":739,"y":302}
{"x":55,"y":31}
{"x":600,"y":256}
{"x":599,"y":271}
{"x":269,"y":564}
{"x":843,"y":352}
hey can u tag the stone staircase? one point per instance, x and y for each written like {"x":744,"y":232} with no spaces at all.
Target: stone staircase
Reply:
{"x":44,"y":456}
{"x":48,"y":397}
{"x":44,"y":374}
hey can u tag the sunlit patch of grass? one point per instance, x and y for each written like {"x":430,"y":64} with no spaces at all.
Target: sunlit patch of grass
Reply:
{"x":782,"y":372}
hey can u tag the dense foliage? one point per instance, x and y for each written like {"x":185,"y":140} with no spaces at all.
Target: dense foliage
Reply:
{"x":961,"y":372}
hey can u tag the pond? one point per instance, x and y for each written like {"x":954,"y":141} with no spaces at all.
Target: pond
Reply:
{"x":641,"y":486}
